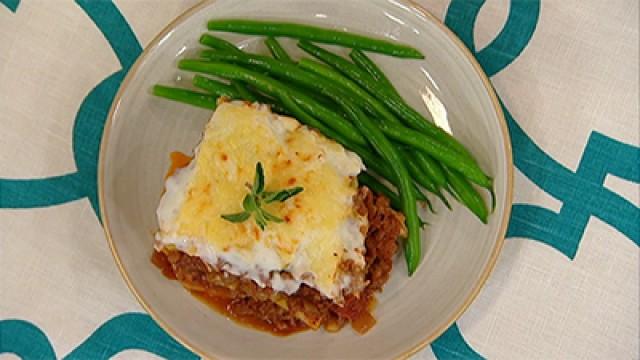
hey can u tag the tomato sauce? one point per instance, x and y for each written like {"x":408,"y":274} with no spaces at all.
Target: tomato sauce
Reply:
{"x":178,"y":161}
{"x":222,"y":306}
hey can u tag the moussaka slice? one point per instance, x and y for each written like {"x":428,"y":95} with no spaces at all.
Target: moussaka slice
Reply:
{"x":267,"y":219}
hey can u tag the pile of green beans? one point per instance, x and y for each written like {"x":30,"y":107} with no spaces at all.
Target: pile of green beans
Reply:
{"x":352,"y":102}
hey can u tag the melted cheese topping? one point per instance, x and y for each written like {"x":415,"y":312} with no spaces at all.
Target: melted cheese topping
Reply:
{"x":321,"y":228}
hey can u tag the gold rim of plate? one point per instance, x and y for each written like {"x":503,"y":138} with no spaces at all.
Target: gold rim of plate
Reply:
{"x":429,"y":338}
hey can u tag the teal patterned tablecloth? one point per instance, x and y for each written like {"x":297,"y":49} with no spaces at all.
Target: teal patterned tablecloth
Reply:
{"x":565,"y":287}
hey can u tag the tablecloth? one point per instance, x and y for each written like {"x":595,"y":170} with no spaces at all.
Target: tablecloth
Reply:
{"x":565,"y":287}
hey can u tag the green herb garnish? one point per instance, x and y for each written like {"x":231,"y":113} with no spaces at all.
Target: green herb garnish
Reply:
{"x":252,"y":203}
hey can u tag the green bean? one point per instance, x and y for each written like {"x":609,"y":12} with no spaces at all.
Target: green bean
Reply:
{"x":467,"y":194}
{"x":220,"y":89}
{"x":278,"y":108}
{"x":276,"y":50}
{"x":367,"y":65}
{"x":299,"y":80}
{"x":328,"y":115}
{"x":450,"y":191}
{"x":205,"y":101}
{"x":429,"y":205}
{"x":218,"y":43}
{"x":431,"y":168}
{"x":396,"y":104}
{"x":373,"y":162}
{"x":390,"y":154}
{"x":274,"y":67}
{"x":427,"y":164}
{"x":243,"y":91}
{"x":444,"y":200}
{"x":273,"y":87}
{"x":293,"y":73}
{"x":306,"y":118}
{"x":361,"y":98}
{"x":370,"y":159}
{"x":376,"y":186}
{"x":278,"y":69}
{"x":421,"y":178}
{"x":417,"y":173}
{"x":274,"y":104}
{"x":313,"y":33}
{"x":418,"y":178}
{"x":314,"y":96}
{"x":456,"y":161}
{"x":309,"y":120}
{"x":419,"y":122}
{"x":234,"y":72}
{"x":215,"y":87}
{"x":380,"y":188}
{"x":341,"y":64}
{"x":340,"y":80}
{"x":323,"y":100}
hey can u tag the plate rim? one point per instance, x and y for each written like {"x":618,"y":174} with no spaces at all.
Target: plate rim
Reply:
{"x":508,"y":201}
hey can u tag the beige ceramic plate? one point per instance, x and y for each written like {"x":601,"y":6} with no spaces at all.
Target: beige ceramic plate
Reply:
{"x":459,"y":251}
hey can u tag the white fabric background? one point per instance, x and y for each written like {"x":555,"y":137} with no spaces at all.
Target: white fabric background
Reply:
{"x":579,"y":73}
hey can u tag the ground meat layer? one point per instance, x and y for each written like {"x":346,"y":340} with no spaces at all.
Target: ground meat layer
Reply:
{"x":244,"y":300}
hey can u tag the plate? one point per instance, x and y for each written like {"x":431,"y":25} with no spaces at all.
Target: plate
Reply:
{"x":459,"y":251}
